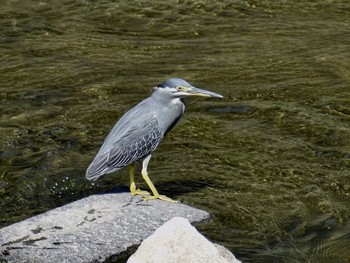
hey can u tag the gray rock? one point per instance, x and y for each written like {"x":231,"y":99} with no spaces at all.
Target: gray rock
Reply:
{"x":178,"y":241}
{"x":89,"y":230}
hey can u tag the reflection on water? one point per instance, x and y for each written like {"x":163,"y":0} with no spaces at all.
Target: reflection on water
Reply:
{"x":270,"y":161}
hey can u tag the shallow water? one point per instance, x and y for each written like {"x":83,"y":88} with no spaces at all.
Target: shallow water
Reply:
{"x":270,"y":161}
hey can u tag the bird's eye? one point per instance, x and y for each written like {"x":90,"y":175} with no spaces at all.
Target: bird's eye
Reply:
{"x":179,"y":88}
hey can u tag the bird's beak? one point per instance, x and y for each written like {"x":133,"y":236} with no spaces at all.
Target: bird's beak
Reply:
{"x":193,"y":91}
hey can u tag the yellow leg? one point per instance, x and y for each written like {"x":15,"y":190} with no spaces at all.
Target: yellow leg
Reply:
{"x":155,"y":193}
{"x":133,"y":189}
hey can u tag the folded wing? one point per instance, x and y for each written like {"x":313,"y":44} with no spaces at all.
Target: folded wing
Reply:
{"x":134,"y":137}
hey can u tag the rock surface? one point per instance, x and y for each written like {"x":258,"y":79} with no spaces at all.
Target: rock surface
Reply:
{"x":178,"y":241}
{"x":89,"y":230}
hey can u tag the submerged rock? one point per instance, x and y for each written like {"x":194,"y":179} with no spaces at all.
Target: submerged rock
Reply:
{"x":178,"y":241}
{"x":92,"y":229}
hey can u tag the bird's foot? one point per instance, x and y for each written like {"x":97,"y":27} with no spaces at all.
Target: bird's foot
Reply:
{"x":139,"y":192}
{"x":160,"y":197}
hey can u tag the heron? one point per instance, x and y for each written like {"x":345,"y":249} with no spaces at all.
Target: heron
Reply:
{"x":139,"y":132}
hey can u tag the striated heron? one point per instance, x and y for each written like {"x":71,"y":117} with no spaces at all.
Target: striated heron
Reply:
{"x":140,"y":130}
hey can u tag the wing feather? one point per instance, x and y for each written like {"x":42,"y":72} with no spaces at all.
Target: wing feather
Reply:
{"x":135,"y":136}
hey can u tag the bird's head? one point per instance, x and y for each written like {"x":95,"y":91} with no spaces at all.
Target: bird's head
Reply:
{"x":176,"y":87}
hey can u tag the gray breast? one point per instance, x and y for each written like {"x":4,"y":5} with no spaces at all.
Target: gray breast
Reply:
{"x":169,"y":115}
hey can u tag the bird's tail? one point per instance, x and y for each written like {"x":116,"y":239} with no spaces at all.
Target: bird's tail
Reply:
{"x":92,"y":174}
{"x":98,"y":168}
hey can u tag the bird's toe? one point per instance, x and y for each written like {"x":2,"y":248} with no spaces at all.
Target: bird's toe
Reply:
{"x":160,"y":197}
{"x":140,"y":192}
